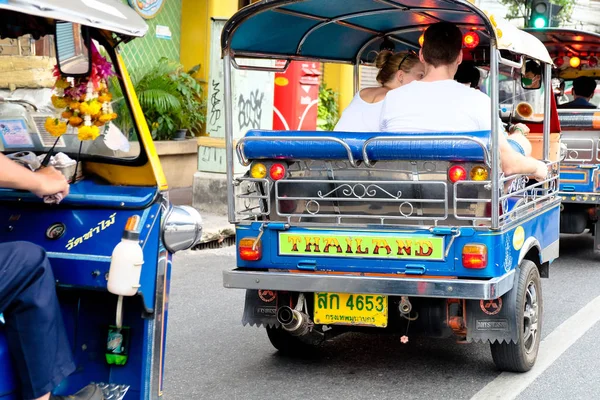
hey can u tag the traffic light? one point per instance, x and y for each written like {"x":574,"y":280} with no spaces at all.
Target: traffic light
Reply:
{"x":540,"y":14}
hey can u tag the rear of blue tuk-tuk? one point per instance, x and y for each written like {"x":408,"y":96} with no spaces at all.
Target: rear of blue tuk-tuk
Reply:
{"x":118,"y":191}
{"x":576,"y":54}
{"x":405,"y":233}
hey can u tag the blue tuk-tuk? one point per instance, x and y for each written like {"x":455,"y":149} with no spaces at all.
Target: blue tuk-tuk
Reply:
{"x":576,"y":54}
{"x":66,"y":100}
{"x":405,"y":233}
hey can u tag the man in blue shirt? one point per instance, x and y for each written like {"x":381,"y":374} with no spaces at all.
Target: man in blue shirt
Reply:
{"x":583,"y":91}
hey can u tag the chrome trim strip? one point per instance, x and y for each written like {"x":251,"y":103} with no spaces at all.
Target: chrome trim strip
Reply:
{"x":302,"y":282}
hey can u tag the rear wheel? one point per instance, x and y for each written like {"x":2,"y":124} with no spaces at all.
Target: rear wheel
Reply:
{"x":289,"y":345}
{"x":521,"y":356}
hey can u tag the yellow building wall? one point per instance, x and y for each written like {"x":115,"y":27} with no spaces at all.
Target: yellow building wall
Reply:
{"x":195,"y":31}
{"x":340,"y":78}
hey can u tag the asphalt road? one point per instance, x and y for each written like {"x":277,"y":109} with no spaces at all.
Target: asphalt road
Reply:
{"x":210,"y":355}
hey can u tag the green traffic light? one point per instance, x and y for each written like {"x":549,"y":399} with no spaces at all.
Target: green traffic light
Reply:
{"x":539,"y":22}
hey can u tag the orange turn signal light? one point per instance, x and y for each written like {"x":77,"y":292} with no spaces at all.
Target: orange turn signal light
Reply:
{"x":474,"y":256}
{"x":479,"y":173}
{"x":250,"y":249}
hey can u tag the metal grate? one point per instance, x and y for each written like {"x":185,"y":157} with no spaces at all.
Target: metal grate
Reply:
{"x":216,"y":244}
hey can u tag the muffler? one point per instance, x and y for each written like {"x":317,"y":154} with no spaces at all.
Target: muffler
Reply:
{"x":295,"y":322}
{"x":299,"y":324}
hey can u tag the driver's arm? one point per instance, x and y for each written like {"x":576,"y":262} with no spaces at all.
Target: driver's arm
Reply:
{"x":45,"y":182}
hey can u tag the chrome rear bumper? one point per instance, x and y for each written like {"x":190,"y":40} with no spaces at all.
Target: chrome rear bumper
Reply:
{"x":475,"y":289}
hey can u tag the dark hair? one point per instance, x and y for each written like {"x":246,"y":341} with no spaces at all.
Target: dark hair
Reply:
{"x":442,"y":44}
{"x":389,"y":63}
{"x":584,"y":86}
{"x":468,"y":73}
{"x":533,"y":67}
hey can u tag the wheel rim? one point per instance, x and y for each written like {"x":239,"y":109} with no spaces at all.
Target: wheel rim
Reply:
{"x":530,"y":317}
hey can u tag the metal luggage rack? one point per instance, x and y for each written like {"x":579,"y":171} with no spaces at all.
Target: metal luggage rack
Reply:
{"x":344,"y":201}
{"x":578,"y":154}
{"x":379,"y":194}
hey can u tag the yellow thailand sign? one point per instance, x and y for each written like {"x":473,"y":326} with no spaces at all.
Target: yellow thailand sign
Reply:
{"x":418,"y":247}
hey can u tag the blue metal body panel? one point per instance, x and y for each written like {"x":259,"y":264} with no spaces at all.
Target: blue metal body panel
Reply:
{"x":94,"y":219}
{"x":580,"y":180}
{"x":93,"y":194}
{"x":502,"y":254}
{"x":445,"y":150}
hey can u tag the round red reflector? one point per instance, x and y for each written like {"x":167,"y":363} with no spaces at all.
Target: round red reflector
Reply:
{"x":457,"y":173}
{"x":560,"y":61}
{"x":471,"y":40}
{"x":593,"y":62}
{"x":277,"y":172}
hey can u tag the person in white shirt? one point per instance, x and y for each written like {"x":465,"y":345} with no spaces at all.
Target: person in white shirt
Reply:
{"x":438,"y":103}
{"x":395,"y":70}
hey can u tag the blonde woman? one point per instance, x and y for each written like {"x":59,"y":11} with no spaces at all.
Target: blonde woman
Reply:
{"x":395,"y":70}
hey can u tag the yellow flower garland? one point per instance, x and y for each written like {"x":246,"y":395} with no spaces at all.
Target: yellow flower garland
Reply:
{"x":88,"y":132}
{"x":55,"y":127}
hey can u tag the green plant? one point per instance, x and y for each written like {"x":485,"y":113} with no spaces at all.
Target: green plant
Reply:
{"x":522,"y":9}
{"x":170,"y":98}
{"x":327,"y":112}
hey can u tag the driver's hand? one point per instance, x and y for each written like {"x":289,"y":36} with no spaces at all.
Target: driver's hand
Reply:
{"x":51,"y":182}
{"x":541,"y":172}
{"x":521,"y":128}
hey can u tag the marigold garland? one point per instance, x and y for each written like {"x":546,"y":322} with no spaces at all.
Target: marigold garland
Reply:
{"x":55,"y":126}
{"x":85,"y":102}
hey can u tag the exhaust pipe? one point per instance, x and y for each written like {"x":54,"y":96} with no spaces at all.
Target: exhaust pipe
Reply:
{"x":300,"y":325}
{"x":295,"y":322}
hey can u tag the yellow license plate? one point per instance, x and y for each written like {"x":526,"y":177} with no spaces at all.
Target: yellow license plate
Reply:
{"x":351,"y":309}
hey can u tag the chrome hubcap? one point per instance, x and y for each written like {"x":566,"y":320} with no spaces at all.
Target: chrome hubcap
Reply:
{"x":530,"y":317}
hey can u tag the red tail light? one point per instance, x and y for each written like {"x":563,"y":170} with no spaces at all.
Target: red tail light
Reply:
{"x":471,"y":40}
{"x":277,"y":172}
{"x":474,"y":256}
{"x":457,"y":173}
{"x":250,"y":249}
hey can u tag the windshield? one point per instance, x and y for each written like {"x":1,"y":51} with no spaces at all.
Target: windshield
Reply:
{"x":517,"y":103}
{"x":37,"y":105}
{"x":567,"y":96}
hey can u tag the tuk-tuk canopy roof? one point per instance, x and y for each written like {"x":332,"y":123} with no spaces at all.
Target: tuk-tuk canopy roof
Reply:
{"x":341,"y":30}
{"x":109,"y":15}
{"x":559,"y":40}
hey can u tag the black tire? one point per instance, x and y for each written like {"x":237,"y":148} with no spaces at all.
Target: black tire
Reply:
{"x":288,"y":345}
{"x":521,"y":356}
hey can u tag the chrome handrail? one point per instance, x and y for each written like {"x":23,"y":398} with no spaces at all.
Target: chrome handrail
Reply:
{"x":477,"y":141}
{"x":245,"y":162}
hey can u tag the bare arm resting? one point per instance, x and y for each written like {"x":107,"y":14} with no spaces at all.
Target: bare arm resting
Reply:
{"x":516,"y":163}
{"x":45,"y":182}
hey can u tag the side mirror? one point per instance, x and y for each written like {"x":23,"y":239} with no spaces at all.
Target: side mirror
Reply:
{"x":531,"y":75}
{"x":72,"y":49}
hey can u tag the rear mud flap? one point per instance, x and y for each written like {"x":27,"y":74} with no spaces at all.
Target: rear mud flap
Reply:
{"x":493,"y":320}
{"x":260,"y":308}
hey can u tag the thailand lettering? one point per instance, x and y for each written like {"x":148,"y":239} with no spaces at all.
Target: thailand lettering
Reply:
{"x":102,"y":225}
{"x":355,"y":246}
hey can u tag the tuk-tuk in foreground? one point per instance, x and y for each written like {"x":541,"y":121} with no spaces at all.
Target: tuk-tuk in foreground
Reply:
{"x":66,"y":100}
{"x":576,"y":53}
{"x":406,"y":233}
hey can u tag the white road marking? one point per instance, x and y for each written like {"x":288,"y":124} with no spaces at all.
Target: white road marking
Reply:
{"x":508,"y":385}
